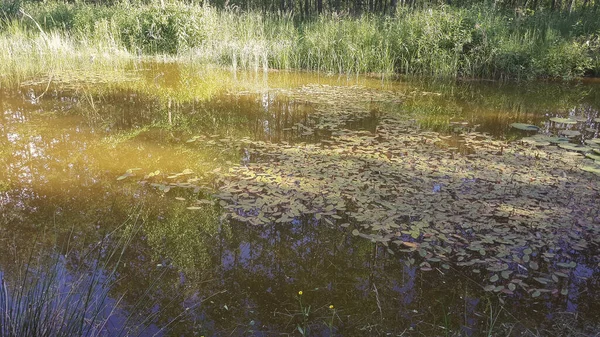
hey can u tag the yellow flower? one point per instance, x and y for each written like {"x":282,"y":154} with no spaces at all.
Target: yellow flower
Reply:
{"x":300,"y":293}
{"x":331,"y":306}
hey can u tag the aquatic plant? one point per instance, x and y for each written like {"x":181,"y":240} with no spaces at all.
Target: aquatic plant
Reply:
{"x":485,"y":206}
{"x":50,"y":299}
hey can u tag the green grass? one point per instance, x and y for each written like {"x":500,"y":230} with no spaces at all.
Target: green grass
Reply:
{"x":444,"y":41}
{"x":57,"y":297}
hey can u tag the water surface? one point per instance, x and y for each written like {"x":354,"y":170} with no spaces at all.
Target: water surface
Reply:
{"x":73,"y":155}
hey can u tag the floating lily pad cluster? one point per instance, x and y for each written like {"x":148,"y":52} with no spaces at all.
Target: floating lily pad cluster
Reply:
{"x":522,"y":217}
{"x":565,"y":139}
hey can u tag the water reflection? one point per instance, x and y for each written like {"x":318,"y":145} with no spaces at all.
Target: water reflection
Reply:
{"x":61,"y":155}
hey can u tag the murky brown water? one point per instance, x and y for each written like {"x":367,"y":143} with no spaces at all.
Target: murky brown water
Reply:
{"x":63,"y":147}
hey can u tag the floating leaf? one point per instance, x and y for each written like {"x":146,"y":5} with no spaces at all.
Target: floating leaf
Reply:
{"x":571,"y":264}
{"x":570,"y":133}
{"x":536,"y":293}
{"x":593,"y":156}
{"x":489,"y":287}
{"x":494,"y":278}
{"x":574,"y":147}
{"x":542,"y":280}
{"x":526,"y":127}
{"x":124,"y":176}
{"x":594,"y":168}
{"x":563,"y":120}
{"x":535,"y":141}
{"x":553,"y":140}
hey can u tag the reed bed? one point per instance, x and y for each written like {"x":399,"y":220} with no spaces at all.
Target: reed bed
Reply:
{"x":449,"y":42}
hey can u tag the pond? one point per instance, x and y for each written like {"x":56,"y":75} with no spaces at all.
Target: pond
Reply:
{"x":304,"y":204}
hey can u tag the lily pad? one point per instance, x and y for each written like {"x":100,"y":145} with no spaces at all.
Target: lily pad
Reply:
{"x":535,"y":142}
{"x":525,"y":127}
{"x":574,"y":147}
{"x":570,"y":133}
{"x":542,"y":139}
{"x":557,"y":140}
{"x":571,"y":264}
{"x":594,"y":168}
{"x":489,"y":287}
{"x":563,"y":120}
{"x":593,"y":156}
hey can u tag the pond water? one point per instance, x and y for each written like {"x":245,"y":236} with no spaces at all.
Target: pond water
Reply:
{"x":366,"y":195}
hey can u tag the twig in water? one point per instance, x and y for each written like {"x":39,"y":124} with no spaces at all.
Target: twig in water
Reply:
{"x":377,"y":299}
{"x":45,"y":91}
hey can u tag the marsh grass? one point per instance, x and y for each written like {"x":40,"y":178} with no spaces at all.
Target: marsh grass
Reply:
{"x":27,"y":53}
{"x":475,"y":42}
{"x":52,"y":297}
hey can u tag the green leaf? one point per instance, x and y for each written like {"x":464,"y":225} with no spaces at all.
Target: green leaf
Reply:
{"x":593,"y":156}
{"x":526,"y":127}
{"x":489,"y":287}
{"x":533,"y":265}
{"x":569,"y":133}
{"x":574,"y":147}
{"x":563,"y":120}
{"x":594,"y":168}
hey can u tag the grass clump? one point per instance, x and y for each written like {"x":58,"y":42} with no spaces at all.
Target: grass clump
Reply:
{"x":54,"y":296}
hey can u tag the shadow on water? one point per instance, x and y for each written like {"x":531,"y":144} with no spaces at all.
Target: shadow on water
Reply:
{"x":61,"y":155}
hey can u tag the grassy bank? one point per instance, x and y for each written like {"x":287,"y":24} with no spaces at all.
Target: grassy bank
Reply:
{"x":476,"y":42}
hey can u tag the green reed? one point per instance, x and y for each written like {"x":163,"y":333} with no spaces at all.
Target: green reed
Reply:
{"x":51,"y":296}
{"x":444,"y":41}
